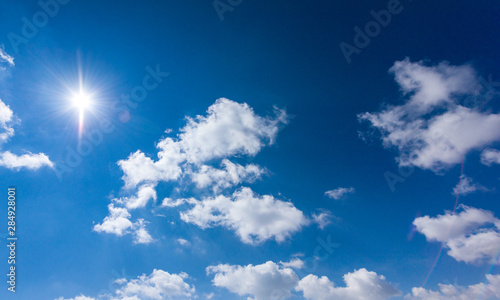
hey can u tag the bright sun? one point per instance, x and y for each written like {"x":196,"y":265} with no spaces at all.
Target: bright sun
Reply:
{"x":81,"y":100}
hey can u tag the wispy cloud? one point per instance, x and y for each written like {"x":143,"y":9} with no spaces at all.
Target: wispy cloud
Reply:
{"x":340,"y":192}
{"x":467,"y":186}
{"x":4,"y":57}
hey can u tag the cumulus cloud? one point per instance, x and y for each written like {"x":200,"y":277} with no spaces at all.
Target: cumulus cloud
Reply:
{"x":156,"y":286}
{"x":228,"y":129}
{"x":340,"y":192}
{"x":254,"y":218}
{"x":12,"y":161}
{"x":471,"y":236}
{"x":265,"y":281}
{"x":323,"y":219}
{"x":229,"y":175}
{"x":272,"y":281}
{"x":432,"y":130}
{"x":486,"y":291}
{"x":118,"y":223}
{"x":490,"y":156}
{"x":183,"y":242}
{"x":467,"y":186}
{"x":360,"y":285}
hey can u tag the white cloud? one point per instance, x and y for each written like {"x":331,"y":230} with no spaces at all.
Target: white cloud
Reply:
{"x":322,"y":219}
{"x":8,"y":159}
{"x":230,"y":175}
{"x":485,"y":291}
{"x":265,"y":281}
{"x":228,"y":129}
{"x":29,"y":161}
{"x":360,"y":285}
{"x":272,"y":281}
{"x":158,"y":285}
{"x":432,"y":130}
{"x":254,"y":218}
{"x":490,"y":156}
{"x":295,"y":263}
{"x":4,"y":57}
{"x":117,"y":222}
{"x":471,"y":236}
{"x":466,"y":186}
{"x":340,"y":192}
{"x":145,"y":193}
{"x":141,"y":235}
{"x":183,"y":242}
{"x":80,"y":297}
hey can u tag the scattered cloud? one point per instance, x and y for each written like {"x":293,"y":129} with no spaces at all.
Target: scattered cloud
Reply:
{"x":229,"y":129}
{"x":12,"y":161}
{"x":81,"y":297}
{"x":183,"y":242}
{"x":432,"y":130}
{"x":117,"y":222}
{"x":490,"y":156}
{"x":323,"y":219}
{"x":295,"y":263}
{"x":466,"y":186}
{"x":254,"y":218}
{"x":486,"y":291}
{"x":360,"y":285}
{"x":471,"y":236}
{"x":340,"y":192}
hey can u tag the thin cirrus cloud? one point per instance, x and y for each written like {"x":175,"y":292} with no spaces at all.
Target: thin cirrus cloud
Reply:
{"x":5,"y":57}
{"x":229,"y":129}
{"x":466,"y":186}
{"x":472,"y":235}
{"x":339,"y":193}
{"x":434,"y":129}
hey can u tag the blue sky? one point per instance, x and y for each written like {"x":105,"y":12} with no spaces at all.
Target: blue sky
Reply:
{"x":231,"y":150}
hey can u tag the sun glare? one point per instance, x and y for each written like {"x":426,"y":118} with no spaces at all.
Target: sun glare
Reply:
{"x":81,"y":100}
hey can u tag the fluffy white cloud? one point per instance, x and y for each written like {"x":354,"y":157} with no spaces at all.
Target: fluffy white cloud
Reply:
{"x":340,"y":192}
{"x":254,"y":218}
{"x":468,"y":235}
{"x":228,"y":129}
{"x":117,"y":222}
{"x":272,"y":281}
{"x":466,"y":186}
{"x":265,"y":281}
{"x":360,"y":285}
{"x":490,"y":156}
{"x":158,"y":285}
{"x":485,"y":291}
{"x":28,"y":161}
{"x":145,"y":193}
{"x":230,"y":175}
{"x":183,"y":242}
{"x":8,"y":159}
{"x":432,"y":130}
